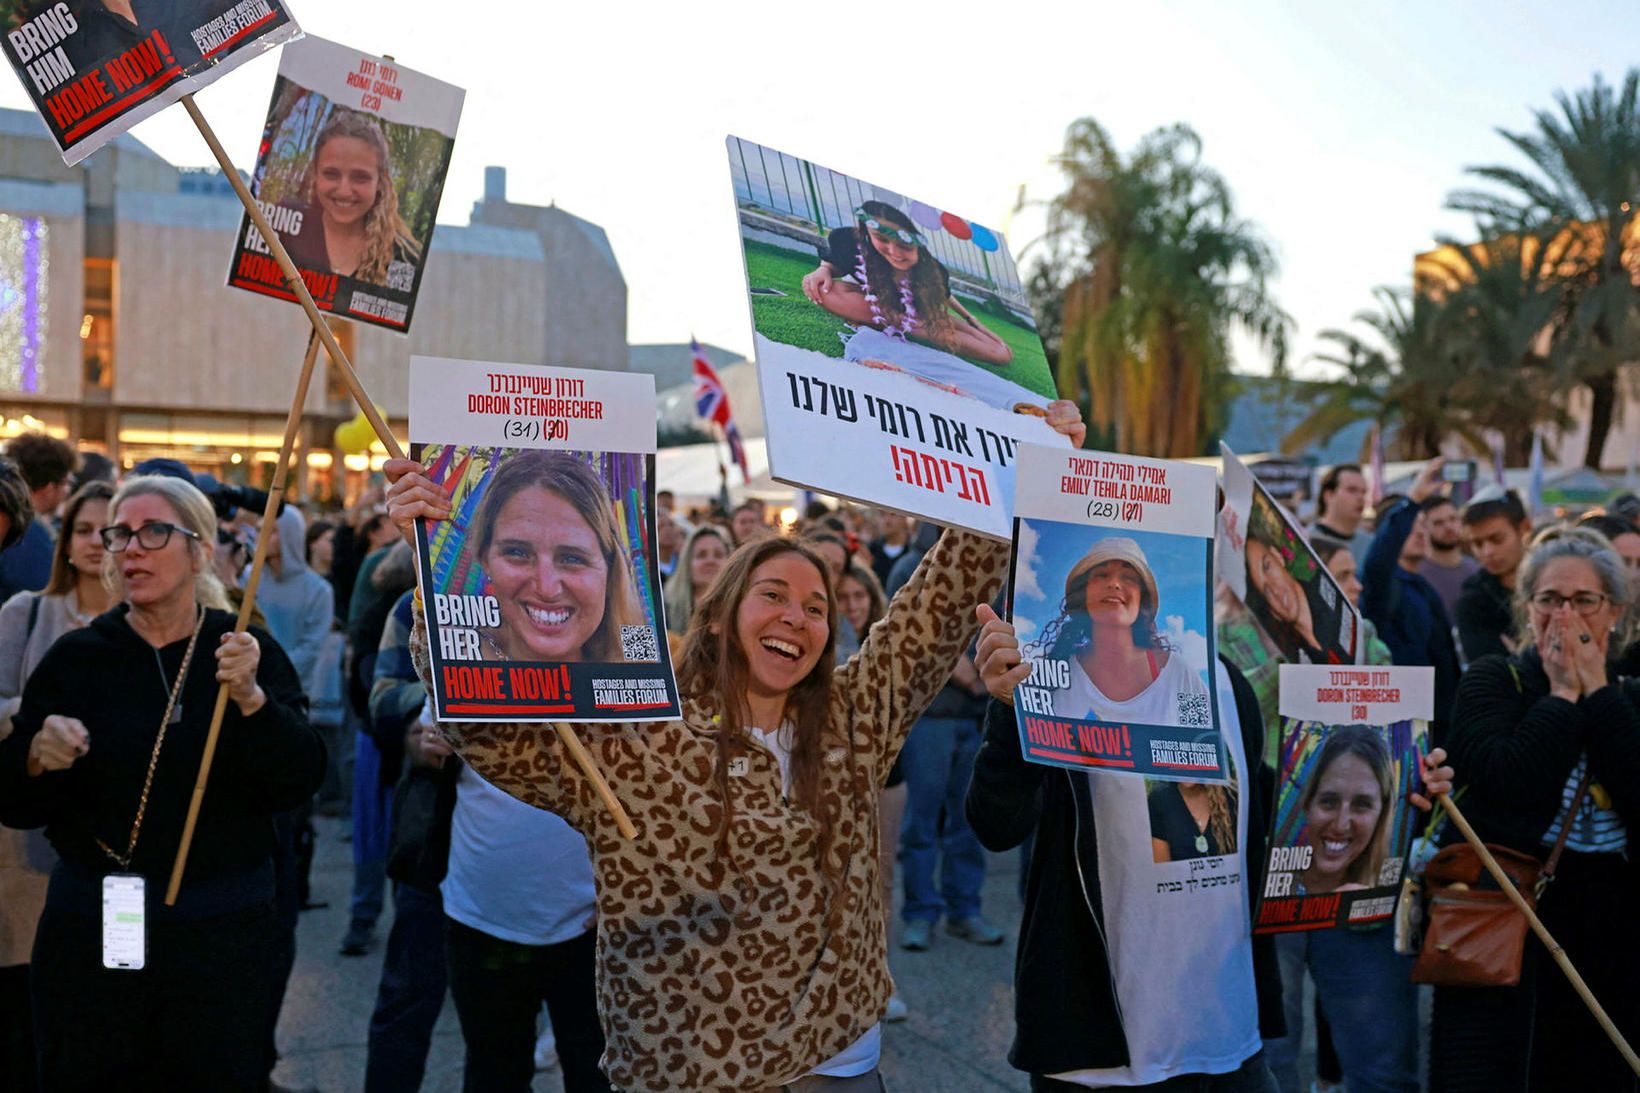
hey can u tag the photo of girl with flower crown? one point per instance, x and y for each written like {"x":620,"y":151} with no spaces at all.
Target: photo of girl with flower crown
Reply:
{"x":850,"y":270}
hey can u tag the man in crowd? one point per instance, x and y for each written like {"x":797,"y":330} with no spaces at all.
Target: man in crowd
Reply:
{"x":1446,"y":566}
{"x":668,"y":541}
{"x":886,"y":550}
{"x":1341,"y":505}
{"x":46,"y":464}
{"x":938,"y":759}
{"x":1496,"y":524}
{"x":750,"y":522}
{"x":1404,"y":606}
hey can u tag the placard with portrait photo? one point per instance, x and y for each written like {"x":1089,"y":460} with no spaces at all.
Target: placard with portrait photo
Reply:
{"x":350,"y":172}
{"x":95,"y":68}
{"x":893,"y":331}
{"x":1352,"y":741}
{"x":542,"y":589}
{"x":1266,"y":561}
{"x":1110,"y":593}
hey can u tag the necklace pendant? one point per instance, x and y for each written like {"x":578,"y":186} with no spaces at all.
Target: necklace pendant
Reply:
{"x":176,"y":715}
{"x":1201,"y":844}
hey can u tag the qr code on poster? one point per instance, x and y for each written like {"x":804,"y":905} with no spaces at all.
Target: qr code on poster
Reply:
{"x":1194,"y":711}
{"x":638,"y":643}
{"x":401,"y":276}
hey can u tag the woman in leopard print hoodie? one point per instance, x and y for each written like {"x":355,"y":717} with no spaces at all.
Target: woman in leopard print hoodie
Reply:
{"x":741,"y":940}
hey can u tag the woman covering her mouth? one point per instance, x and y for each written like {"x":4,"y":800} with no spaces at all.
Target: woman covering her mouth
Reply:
{"x":547,"y":541}
{"x":1121,"y":668}
{"x":741,"y":940}
{"x":1346,"y":806}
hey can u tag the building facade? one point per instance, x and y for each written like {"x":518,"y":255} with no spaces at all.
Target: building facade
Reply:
{"x":118,"y":331}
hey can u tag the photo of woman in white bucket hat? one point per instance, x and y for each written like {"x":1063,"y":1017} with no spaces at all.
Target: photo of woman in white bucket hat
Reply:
{"x":1121,"y":668}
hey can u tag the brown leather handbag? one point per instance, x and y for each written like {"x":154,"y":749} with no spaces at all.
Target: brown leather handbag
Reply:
{"x":1473,"y":934}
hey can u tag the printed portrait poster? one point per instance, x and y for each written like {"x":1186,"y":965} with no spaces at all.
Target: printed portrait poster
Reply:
{"x":1266,"y":560}
{"x":92,"y":72}
{"x":349,"y":174}
{"x":1111,"y":595}
{"x":542,"y":592}
{"x":897,"y":357}
{"x":1352,"y":740}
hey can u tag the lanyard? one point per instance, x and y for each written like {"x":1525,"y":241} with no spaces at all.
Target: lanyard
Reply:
{"x":124,"y":860}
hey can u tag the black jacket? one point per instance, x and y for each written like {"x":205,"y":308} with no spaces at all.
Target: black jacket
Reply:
{"x":106,"y":676}
{"x":1514,"y":745}
{"x":1066,"y":1015}
{"x":1408,"y":612}
{"x":1484,"y":617}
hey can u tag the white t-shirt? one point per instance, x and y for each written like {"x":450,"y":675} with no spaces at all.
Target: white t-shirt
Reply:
{"x":863,"y":1055}
{"x":1179,"y":936}
{"x":516,"y":872}
{"x":1157,"y":704}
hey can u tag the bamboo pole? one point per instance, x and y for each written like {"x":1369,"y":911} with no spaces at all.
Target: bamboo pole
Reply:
{"x":270,"y":516}
{"x":322,"y":334}
{"x":294,"y":280}
{"x":1542,"y":932}
{"x":583,"y":759}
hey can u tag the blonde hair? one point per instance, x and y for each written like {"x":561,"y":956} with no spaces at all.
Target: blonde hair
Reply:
{"x":193,"y":511}
{"x":384,"y":227}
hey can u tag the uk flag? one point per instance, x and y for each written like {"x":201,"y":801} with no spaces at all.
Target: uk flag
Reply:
{"x":712,"y":404}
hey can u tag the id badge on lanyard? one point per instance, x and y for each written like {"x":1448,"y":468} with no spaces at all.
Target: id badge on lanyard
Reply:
{"x":124,"y":921}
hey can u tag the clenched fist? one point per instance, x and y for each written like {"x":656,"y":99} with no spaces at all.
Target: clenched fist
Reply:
{"x":60,"y":742}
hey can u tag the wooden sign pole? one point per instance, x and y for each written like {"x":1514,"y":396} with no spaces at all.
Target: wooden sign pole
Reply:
{"x":270,"y":515}
{"x":322,"y":334}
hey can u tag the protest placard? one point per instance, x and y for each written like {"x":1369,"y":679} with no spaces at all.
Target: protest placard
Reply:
{"x":350,"y":172}
{"x":1111,"y":595}
{"x":542,"y":590}
{"x":892,"y":331}
{"x":1266,"y":560}
{"x":1352,"y":739}
{"x":93,"y":69}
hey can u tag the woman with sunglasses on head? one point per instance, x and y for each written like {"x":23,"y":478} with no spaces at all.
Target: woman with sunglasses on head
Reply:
{"x":879,"y":275}
{"x":741,"y":939}
{"x":1546,"y":738}
{"x":103,"y":754}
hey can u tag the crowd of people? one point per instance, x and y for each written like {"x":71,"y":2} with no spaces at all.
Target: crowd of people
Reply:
{"x":848,"y":733}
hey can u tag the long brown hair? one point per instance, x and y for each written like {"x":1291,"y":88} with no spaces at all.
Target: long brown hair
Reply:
{"x":929,"y":288}
{"x":63,"y":574}
{"x":384,"y":227}
{"x":713,"y":663}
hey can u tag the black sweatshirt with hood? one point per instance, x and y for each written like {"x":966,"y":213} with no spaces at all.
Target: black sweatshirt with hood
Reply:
{"x":1066,"y":1015}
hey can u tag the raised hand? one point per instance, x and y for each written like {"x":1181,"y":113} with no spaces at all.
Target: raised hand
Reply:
{"x":412,"y":496}
{"x":997,"y":656}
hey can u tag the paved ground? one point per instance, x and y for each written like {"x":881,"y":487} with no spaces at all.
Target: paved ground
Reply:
{"x":955,"y":1041}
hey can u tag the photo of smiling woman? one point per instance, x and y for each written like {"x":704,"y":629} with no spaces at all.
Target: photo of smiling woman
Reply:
{"x":1347,"y":805}
{"x":1290,"y":593}
{"x":350,"y":220}
{"x":1120,"y":667}
{"x":546,"y":540}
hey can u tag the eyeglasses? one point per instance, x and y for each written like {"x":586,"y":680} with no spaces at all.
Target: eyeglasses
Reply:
{"x":150,"y":536}
{"x":1585,"y":603}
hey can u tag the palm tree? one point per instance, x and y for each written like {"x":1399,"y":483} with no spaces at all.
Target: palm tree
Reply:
{"x":1581,"y":186}
{"x":1145,"y":269}
{"x":1397,"y":373}
{"x":1498,"y":303}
